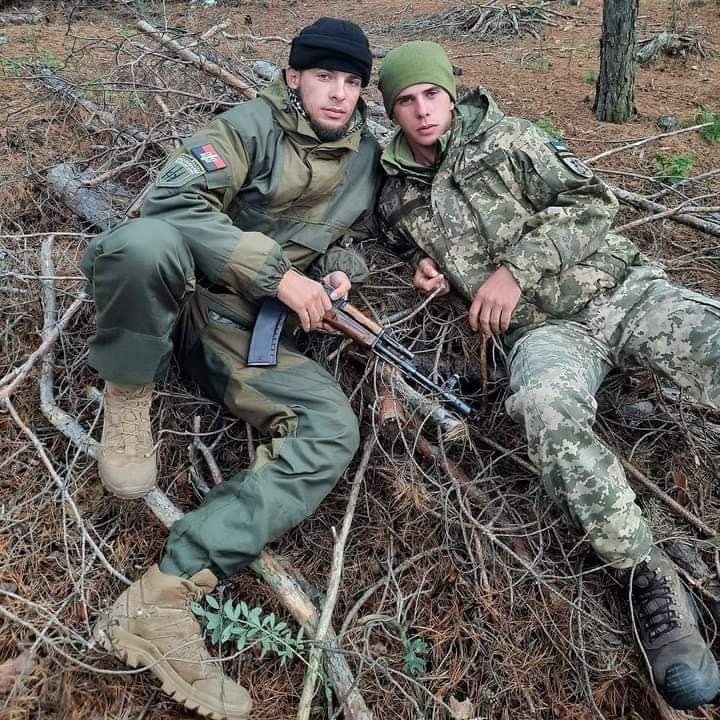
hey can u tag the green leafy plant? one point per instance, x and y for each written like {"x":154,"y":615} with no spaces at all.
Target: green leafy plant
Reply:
{"x":589,"y":47}
{"x":49,"y":59}
{"x":94,"y":89}
{"x":536,"y":61}
{"x":414,"y":649}
{"x":711,"y":133}
{"x":12,"y":66}
{"x":589,"y":76}
{"x":674,"y":168}
{"x":245,"y":626}
{"x":134,"y":99}
{"x":546,"y":123}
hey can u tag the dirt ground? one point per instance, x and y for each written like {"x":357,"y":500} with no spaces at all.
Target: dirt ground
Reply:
{"x":451,"y":608}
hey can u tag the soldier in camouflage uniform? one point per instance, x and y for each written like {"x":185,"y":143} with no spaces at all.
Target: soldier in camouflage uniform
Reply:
{"x":269,"y":191}
{"x":520,"y":227}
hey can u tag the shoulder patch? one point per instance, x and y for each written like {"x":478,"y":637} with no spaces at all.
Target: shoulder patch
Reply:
{"x":576,"y":165}
{"x":558,"y":145}
{"x":572,"y":162}
{"x":209,"y":157}
{"x":179,"y":172}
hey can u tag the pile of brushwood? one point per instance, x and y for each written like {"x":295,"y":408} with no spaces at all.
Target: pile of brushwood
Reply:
{"x":463,"y":592}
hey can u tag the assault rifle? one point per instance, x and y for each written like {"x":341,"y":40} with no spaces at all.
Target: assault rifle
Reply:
{"x":350,"y":321}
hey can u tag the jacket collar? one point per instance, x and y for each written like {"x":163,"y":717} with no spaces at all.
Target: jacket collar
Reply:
{"x":297,"y":126}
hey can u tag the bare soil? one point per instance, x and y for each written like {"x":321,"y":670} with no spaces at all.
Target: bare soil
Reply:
{"x":518,"y":619}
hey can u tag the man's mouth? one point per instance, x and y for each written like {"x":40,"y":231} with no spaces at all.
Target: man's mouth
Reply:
{"x":426,"y":129}
{"x":335,"y":113}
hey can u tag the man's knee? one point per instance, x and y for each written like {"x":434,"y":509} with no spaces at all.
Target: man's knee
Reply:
{"x":139,"y":246}
{"x":551,"y":406}
{"x":338,"y":425}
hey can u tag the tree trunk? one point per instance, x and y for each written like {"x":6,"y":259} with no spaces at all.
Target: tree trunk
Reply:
{"x":615,"y":89}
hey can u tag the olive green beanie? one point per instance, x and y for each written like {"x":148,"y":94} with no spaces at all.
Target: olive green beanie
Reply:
{"x":419,"y":61}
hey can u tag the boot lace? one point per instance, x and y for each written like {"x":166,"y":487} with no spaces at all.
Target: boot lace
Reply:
{"x":653,"y":600}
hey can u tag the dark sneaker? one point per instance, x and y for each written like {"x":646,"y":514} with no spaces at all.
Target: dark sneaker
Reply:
{"x":680,"y":660}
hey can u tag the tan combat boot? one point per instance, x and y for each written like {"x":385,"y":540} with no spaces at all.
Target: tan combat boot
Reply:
{"x":680,"y":660}
{"x":151,"y":624}
{"x":127,"y":464}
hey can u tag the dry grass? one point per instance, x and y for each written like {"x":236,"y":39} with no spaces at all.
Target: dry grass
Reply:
{"x":518,"y":617}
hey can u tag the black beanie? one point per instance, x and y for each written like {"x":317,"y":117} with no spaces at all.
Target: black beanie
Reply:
{"x":332,"y":44}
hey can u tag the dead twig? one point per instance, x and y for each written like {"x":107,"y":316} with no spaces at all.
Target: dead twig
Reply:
{"x":198,"y":61}
{"x":333,"y":585}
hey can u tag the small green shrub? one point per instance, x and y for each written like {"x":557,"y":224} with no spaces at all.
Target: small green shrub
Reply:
{"x":589,"y":47}
{"x":589,"y":76}
{"x":245,"y":626}
{"x":415,"y":663}
{"x":711,"y":133}
{"x":546,"y":123}
{"x":674,"y":168}
{"x":537,"y":61}
{"x":13,"y":66}
{"x":49,"y":59}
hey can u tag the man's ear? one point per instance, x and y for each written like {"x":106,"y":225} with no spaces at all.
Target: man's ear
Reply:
{"x":292,"y":78}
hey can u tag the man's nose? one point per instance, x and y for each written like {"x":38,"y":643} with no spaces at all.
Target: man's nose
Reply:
{"x":337,"y":90}
{"x":421,"y":107}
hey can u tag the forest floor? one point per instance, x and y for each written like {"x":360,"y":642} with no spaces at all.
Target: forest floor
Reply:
{"x":465,"y":593}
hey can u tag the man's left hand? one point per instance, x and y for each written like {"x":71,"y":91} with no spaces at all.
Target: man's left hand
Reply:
{"x":494,"y":303}
{"x":340,"y":283}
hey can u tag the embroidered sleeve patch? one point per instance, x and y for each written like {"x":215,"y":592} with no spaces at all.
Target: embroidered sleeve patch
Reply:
{"x":572,"y":162}
{"x":179,"y":172}
{"x":209,"y":157}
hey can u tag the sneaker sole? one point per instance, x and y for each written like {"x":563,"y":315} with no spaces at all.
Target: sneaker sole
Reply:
{"x":136,"y":652}
{"x":687,"y":689}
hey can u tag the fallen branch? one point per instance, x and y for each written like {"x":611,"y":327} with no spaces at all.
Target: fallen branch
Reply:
{"x":644,"y":141}
{"x":200,"y":62}
{"x":94,"y":204}
{"x":73,"y":97}
{"x":631,"y":198}
{"x":16,"y":377}
{"x":17,"y":18}
{"x":675,"y":506}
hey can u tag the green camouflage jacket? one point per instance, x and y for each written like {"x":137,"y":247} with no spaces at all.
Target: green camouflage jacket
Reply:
{"x":505,"y":193}
{"x":266,"y":194}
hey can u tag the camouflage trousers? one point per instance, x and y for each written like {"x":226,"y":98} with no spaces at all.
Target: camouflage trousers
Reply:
{"x":557,"y":368}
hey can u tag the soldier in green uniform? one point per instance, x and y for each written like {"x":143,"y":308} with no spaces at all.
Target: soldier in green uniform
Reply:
{"x":261,"y":203}
{"x":520,"y":227}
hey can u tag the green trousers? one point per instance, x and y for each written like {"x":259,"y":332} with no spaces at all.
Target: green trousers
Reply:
{"x":147,"y":306}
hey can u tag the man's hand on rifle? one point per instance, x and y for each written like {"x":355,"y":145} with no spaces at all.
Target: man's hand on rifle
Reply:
{"x":340,"y":283}
{"x":428,"y":278}
{"x":306,"y":298}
